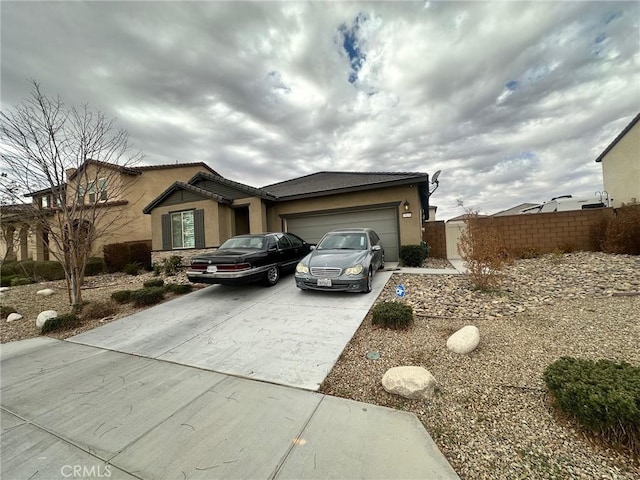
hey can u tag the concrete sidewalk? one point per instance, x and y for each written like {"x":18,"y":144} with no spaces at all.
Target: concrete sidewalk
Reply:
{"x":457,"y":263}
{"x":74,"y":411}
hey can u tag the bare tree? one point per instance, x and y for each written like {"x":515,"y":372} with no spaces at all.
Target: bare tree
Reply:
{"x":77,"y":166}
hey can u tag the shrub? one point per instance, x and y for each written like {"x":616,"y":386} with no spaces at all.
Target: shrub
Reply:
{"x":121,"y":296}
{"x":5,"y":310}
{"x":395,"y":315}
{"x":171,"y":264}
{"x":95,"y":266}
{"x":18,"y":281}
{"x":147,"y":296}
{"x":623,"y":231}
{"x":131,"y":268}
{"x":529,"y":252}
{"x":483,"y":251}
{"x":178,"y":288}
{"x":61,"y":322}
{"x":140,"y":253}
{"x":154,"y":282}
{"x":6,"y":280}
{"x":603,"y":396}
{"x":49,"y":270}
{"x":412,"y":255}
{"x":97,"y":310}
{"x":8,"y":268}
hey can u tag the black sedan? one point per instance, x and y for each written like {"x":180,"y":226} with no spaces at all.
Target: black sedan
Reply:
{"x":343,"y":260}
{"x":249,"y":258}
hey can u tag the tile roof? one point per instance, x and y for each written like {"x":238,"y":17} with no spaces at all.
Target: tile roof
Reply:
{"x":321,"y":183}
{"x":184,"y":186}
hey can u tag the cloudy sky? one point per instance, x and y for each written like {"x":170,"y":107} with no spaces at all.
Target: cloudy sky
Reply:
{"x":512,"y":101}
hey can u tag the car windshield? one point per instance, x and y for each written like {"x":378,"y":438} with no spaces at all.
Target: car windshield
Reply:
{"x":256,"y":243}
{"x":343,"y":241}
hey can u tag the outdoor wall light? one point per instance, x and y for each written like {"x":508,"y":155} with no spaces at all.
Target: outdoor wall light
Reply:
{"x":406,"y":205}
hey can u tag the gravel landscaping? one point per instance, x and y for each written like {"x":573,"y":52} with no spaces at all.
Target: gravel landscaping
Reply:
{"x":491,"y":416}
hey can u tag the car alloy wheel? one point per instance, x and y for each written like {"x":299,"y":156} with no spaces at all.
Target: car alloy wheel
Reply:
{"x":369,"y":281}
{"x":272,"y":276}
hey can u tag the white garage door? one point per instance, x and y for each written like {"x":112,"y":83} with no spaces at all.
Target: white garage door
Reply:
{"x":382,"y":220}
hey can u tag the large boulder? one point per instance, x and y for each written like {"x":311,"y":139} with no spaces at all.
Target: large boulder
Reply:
{"x":13,"y":317}
{"x":47,"y":292}
{"x":410,"y":382}
{"x":464,"y":340}
{"x":44,"y":316}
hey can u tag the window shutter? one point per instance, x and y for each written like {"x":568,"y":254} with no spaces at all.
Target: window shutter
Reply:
{"x":198,"y":224}
{"x":166,"y":232}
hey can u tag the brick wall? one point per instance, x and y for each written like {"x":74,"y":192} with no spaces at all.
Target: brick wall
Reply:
{"x":544,"y":232}
{"x":434,"y":235}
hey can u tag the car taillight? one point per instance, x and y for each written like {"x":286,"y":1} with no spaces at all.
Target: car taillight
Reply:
{"x":234,"y":267}
{"x":198,"y":266}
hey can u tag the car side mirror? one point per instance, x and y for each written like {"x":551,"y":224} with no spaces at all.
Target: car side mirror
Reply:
{"x":375,"y":248}
{"x":312,"y":247}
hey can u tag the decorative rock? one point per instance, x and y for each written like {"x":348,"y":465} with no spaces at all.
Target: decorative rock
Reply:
{"x":47,"y":292}
{"x":464,"y":340}
{"x":14,"y":316}
{"x":410,"y":382}
{"x":44,"y":316}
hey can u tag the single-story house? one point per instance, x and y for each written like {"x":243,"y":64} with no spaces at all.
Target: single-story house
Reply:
{"x":208,"y":209}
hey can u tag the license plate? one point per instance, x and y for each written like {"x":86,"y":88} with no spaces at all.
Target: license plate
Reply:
{"x":212,"y":269}
{"x":324,"y":282}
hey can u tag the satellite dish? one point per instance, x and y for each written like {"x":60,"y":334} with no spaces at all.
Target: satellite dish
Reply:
{"x":434,"y":179}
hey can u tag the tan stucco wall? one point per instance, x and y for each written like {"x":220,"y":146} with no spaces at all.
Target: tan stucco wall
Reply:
{"x":621,"y":168}
{"x":211,"y":226}
{"x":410,"y":228}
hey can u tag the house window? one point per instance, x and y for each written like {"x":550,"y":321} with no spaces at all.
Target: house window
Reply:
{"x":80,"y":194}
{"x":182,"y":230}
{"x":45,"y":202}
{"x":92,"y":193}
{"x":102,"y":188}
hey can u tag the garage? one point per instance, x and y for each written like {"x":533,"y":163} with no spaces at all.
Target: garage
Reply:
{"x":383,"y":220}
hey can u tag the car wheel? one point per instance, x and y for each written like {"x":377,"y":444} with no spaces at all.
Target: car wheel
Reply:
{"x":272,"y":276}
{"x":369,"y":281}
{"x":381,"y":262}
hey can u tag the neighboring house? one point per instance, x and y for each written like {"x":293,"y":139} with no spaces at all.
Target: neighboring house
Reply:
{"x":621,"y":165}
{"x":205,"y":211}
{"x":122,"y":190}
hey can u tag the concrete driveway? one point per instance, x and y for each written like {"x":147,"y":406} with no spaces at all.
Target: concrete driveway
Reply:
{"x":126,"y":400}
{"x":279,"y":335}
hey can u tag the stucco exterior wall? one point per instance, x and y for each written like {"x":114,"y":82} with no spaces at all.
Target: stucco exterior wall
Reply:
{"x":410,"y":228}
{"x":621,"y":169}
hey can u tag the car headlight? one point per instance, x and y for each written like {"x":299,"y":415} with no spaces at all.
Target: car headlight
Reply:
{"x":355,"y":270}
{"x":302,"y":268}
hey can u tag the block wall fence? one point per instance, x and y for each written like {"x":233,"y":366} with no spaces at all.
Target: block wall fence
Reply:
{"x":544,"y":232}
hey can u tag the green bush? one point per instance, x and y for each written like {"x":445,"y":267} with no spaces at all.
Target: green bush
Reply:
{"x":6,"y":280}
{"x":603,"y":396}
{"x":49,"y":270}
{"x":178,"y":288}
{"x":18,"y":281}
{"x":61,"y":322}
{"x":131,"y":268}
{"x":172,"y":264}
{"x":395,"y":315}
{"x":121,"y":296}
{"x":412,"y":255}
{"x":5,"y":310}
{"x":154,"y":282}
{"x":95,"y":266}
{"x":147,"y":296}
{"x":140,"y":253}
{"x":97,"y":310}
{"x":8,"y":268}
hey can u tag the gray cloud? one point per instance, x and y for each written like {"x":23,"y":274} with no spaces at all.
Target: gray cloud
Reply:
{"x":513,"y":101}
